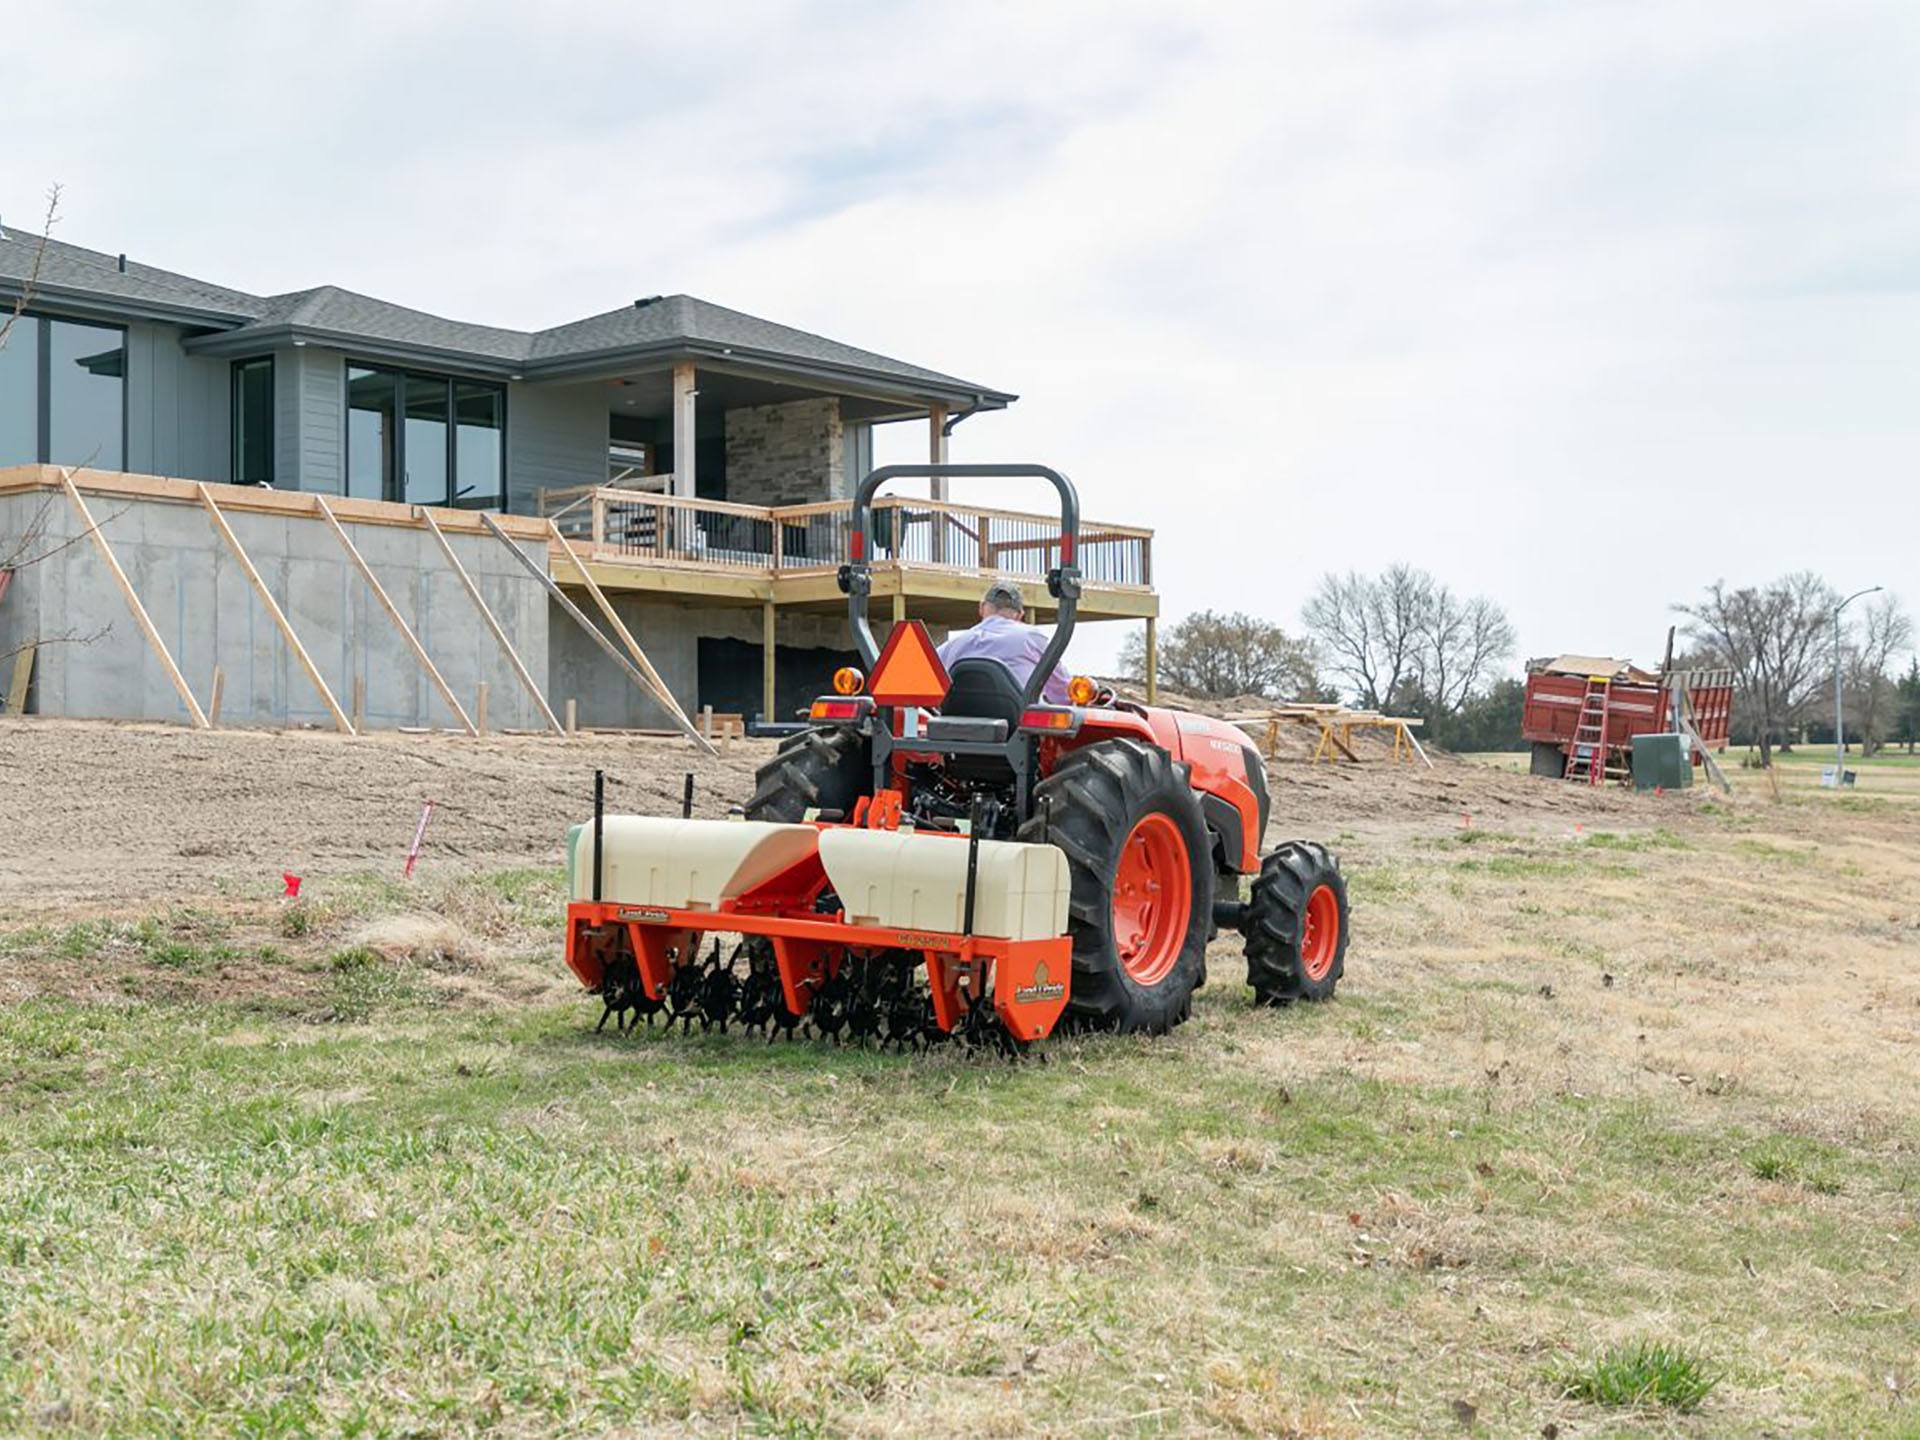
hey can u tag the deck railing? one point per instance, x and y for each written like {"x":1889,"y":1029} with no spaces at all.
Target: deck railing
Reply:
{"x":652,"y":529}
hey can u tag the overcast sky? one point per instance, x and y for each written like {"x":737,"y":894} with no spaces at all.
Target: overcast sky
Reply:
{"x":1577,"y":306}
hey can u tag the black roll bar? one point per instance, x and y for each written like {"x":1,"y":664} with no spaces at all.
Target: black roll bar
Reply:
{"x":1063,"y":581}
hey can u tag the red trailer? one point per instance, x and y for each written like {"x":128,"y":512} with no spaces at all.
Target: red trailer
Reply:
{"x":1573,"y":700}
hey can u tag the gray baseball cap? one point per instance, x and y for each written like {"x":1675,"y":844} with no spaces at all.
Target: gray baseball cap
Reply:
{"x":1004,"y":595}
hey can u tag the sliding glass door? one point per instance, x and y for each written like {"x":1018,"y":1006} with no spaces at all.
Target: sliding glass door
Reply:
{"x":373,"y":441}
{"x":425,"y":439}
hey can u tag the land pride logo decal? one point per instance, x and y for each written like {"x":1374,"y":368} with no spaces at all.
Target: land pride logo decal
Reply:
{"x":1040,"y":989}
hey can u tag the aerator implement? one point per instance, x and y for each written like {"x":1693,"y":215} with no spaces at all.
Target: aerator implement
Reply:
{"x":946,"y":855}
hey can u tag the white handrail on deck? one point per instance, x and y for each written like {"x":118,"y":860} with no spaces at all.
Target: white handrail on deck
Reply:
{"x":649,"y":528}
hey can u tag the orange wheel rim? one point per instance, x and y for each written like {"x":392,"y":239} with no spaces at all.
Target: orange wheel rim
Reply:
{"x":1320,"y":933}
{"x":1152,"y":899}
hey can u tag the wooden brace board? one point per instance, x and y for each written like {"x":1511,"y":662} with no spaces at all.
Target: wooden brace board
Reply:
{"x":393,"y":614}
{"x":340,"y":720}
{"x":473,"y":594}
{"x":140,"y":616}
{"x":553,"y":588}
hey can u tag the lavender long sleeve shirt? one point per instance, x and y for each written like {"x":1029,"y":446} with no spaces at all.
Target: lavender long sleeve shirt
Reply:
{"x":1015,"y":645}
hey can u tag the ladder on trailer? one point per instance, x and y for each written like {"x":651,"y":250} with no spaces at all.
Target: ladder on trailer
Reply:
{"x":1587,"y":754}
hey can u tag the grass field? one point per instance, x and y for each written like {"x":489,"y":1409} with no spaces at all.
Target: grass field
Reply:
{"x":1612,"y":1131}
{"x":1889,"y":774}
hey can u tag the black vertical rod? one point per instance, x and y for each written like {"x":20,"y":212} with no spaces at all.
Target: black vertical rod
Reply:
{"x":686,"y":799}
{"x":973,"y":862}
{"x":599,"y":825}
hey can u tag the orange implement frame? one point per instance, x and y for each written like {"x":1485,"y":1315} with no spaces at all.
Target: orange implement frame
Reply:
{"x":1029,"y":978}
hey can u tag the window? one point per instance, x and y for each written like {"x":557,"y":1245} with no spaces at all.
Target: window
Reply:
{"x":63,"y":394}
{"x":372,"y":404}
{"x":480,"y":412}
{"x":425,"y":439}
{"x":86,"y":402}
{"x":253,"y":422}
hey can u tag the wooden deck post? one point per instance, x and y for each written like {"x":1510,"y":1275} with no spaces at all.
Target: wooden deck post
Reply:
{"x":1153,"y":661}
{"x":685,"y":406}
{"x":769,"y":649}
{"x":140,"y":616}
{"x":937,"y":455}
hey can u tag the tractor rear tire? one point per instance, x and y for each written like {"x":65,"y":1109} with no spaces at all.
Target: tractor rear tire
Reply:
{"x":1141,"y":862}
{"x":1549,"y":760}
{"x":821,"y":769}
{"x":1296,"y":925}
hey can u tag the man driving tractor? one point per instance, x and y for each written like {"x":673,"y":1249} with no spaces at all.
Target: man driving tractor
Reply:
{"x":1004,"y":635}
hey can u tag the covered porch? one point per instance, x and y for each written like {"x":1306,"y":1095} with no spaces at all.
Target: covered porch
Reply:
{"x":932,"y":561}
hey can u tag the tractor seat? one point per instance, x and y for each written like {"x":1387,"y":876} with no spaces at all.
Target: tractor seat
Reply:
{"x":983,"y":704}
{"x":986,"y":690}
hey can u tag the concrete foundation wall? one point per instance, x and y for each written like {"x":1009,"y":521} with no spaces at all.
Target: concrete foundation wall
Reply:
{"x":208,"y":613}
{"x":670,"y":634}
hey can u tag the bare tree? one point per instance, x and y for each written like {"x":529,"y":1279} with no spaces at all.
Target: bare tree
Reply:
{"x":1884,"y":634}
{"x":1217,"y":655}
{"x":1369,"y":628}
{"x":31,"y":282}
{"x":1404,"y":634}
{"x":1778,"y":641}
{"x":31,"y":546}
{"x":1463,"y":642}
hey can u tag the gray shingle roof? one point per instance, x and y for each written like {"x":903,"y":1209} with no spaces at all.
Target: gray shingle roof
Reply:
{"x":68,"y":268}
{"x":655,"y":329}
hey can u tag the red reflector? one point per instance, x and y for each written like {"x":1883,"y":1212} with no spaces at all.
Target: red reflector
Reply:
{"x":1047,"y":718}
{"x":836,"y":709}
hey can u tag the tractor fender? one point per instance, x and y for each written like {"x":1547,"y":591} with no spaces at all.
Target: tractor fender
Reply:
{"x":1226,"y":771}
{"x":1232,"y":783}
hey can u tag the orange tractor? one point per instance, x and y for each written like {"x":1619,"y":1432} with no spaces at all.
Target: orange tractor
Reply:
{"x":1037,"y":861}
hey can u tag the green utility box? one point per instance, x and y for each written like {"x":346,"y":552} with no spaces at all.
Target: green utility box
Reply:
{"x":1661,"y":762}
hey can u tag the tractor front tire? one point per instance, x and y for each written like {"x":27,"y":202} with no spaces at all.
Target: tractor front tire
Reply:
{"x":821,"y":769}
{"x":1141,"y":863}
{"x":1296,"y":925}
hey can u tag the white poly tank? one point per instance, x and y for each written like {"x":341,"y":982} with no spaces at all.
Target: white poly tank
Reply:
{"x":685,"y":864}
{"x":919,"y":882}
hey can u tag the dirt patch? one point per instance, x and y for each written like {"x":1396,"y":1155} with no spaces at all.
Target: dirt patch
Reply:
{"x":106,"y":818}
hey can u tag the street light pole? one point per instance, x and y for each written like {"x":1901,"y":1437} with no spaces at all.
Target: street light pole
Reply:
{"x":1839,"y":723}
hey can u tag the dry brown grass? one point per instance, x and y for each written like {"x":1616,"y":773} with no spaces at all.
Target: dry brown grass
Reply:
{"x":1604,"y":1069}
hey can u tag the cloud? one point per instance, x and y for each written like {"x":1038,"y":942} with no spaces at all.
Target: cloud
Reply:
{"x":1578,"y":306}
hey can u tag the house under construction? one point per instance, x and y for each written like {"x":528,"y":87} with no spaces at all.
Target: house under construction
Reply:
{"x":355,"y":514}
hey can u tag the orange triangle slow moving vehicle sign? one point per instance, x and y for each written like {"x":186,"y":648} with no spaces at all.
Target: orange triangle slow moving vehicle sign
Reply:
{"x":909,"y":671}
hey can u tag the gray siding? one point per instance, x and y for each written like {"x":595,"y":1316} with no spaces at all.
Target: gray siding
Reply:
{"x":556,"y":436}
{"x":177,"y":407}
{"x":318,"y":397}
{"x":286,"y":418}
